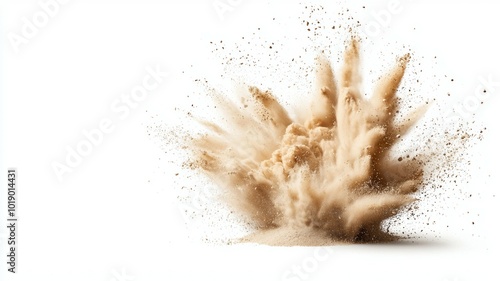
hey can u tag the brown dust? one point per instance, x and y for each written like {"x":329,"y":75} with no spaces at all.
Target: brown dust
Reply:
{"x":328,"y":179}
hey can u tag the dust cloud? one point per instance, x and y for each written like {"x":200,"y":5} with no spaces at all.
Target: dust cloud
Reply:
{"x":326,"y":179}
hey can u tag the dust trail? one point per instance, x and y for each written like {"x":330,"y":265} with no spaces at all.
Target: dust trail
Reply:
{"x":330,"y":176}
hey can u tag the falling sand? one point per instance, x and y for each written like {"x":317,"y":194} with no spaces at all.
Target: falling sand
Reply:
{"x":326,"y":179}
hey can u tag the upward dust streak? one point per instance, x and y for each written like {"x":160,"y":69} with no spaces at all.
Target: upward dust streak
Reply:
{"x":330,"y":173}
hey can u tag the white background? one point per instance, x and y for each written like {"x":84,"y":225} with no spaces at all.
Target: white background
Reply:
{"x":117,"y":211}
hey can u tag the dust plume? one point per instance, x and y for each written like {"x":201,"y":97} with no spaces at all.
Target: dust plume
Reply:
{"x":326,"y":178}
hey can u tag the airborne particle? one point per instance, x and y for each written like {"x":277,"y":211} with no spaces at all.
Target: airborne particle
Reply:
{"x":329,"y":178}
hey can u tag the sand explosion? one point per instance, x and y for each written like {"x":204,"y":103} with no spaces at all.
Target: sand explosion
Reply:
{"x":329,"y":177}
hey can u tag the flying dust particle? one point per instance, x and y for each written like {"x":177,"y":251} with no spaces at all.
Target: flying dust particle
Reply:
{"x":330,"y":174}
